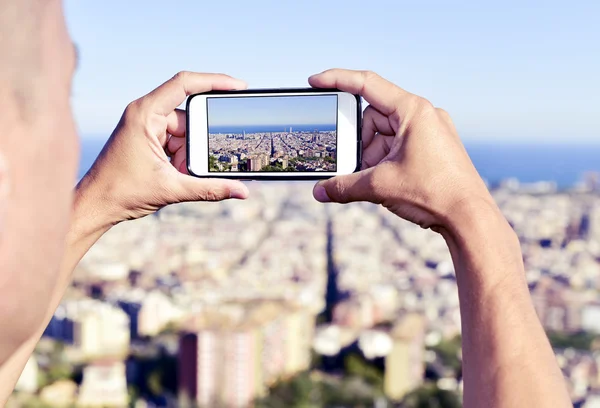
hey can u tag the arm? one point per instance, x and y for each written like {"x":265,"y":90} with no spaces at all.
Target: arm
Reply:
{"x":140,"y":170}
{"x":415,"y":165}
{"x":507,"y":359}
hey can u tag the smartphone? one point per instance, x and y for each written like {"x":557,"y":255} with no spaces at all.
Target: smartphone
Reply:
{"x":274,"y":134}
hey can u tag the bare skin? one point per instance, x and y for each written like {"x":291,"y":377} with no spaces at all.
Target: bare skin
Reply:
{"x":414,"y":165}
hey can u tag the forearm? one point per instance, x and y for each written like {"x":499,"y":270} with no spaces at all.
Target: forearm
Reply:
{"x":507,"y":359}
{"x":87,"y":226}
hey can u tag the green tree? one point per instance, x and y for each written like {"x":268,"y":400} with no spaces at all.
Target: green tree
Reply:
{"x":271,"y":168}
{"x":133,"y":394}
{"x":155,"y":383}
{"x":430,"y":396}
{"x":212,"y":163}
{"x":58,"y":368}
{"x":580,"y":340}
{"x":356,"y":365}
{"x":448,"y":351}
{"x":306,"y":390}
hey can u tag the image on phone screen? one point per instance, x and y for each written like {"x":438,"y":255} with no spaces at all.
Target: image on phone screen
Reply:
{"x":295,"y":133}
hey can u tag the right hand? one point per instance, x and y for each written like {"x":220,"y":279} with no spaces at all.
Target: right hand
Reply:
{"x":413,"y":162}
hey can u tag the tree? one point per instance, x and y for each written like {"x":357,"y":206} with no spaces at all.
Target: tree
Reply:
{"x":356,"y":365}
{"x":312,"y":390}
{"x":430,"y":396}
{"x":155,"y":383}
{"x":448,"y":352}
{"x":212,"y":163}
{"x":271,"y":168}
{"x":58,"y":368}
{"x":580,"y":340}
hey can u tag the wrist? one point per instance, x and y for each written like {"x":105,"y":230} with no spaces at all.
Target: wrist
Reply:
{"x":484,"y":247}
{"x":91,"y":212}
{"x":475,"y":217}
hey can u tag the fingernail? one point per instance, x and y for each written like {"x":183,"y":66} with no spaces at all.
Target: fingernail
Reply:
{"x":239,"y":193}
{"x":320,"y":194}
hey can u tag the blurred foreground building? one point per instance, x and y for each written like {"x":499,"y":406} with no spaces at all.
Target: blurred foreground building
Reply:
{"x":405,"y":364}
{"x":230,"y":357}
{"x":104,"y":385}
{"x":93,"y":328}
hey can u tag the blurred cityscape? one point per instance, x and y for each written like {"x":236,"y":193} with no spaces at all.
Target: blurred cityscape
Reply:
{"x":280,"y":301}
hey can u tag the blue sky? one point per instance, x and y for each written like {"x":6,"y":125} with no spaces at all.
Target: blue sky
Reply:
{"x":505,"y":71}
{"x":273,"y":110}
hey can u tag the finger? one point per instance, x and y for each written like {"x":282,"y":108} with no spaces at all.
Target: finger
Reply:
{"x":174,"y":144}
{"x":349,"y":188}
{"x":164,"y":99}
{"x":377,"y":151}
{"x":374,"y":122}
{"x":176,"y":123}
{"x":178,"y":160}
{"x":385,"y":96}
{"x":196,"y":189}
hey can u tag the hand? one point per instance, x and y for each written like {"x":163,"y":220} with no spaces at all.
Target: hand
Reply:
{"x":142,"y":168}
{"x":413,"y":160}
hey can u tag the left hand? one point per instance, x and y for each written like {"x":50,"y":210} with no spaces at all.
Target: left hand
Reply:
{"x":142,"y":167}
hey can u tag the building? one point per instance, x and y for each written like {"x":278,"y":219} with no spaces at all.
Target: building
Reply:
{"x":255,"y":163}
{"x":157,"y":312}
{"x":405,"y":364}
{"x":104,"y":385}
{"x":230,"y":360}
{"x":93,"y":327}
{"x":59,"y":394}
{"x":101,"y":330}
{"x":218,"y":367}
{"x":299,"y":327}
{"x":238,"y":386}
{"x":285,"y":162}
{"x":28,"y":380}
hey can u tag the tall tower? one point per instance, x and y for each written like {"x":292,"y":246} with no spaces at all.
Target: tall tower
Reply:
{"x":404,"y":366}
{"x":290,"y":129}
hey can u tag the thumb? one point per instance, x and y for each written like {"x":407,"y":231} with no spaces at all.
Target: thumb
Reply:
{"x":198,"y":189}
{"x":349,"y":188}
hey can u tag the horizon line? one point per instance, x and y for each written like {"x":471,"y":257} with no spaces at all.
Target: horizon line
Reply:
{"x":278,"y":124}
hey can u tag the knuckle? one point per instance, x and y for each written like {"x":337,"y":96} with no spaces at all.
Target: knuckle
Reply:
{"x":180,"y":76}
{"x":424,"y":105}
{"x":443,"y":114}
{"x":445,"y":118}
{"x":338,"y":191}
{"x":213,"y":195}
{"x":132,"y":107}
{"x":368,"y":76}
{"x":422,"y":109}
{"x":133,"y":110}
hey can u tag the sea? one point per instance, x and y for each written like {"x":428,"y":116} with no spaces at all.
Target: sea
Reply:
{"x":563,"y":164}
{"x":270,"y":128}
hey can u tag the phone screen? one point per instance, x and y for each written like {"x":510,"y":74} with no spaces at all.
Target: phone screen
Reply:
{"x":292,"y":133}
